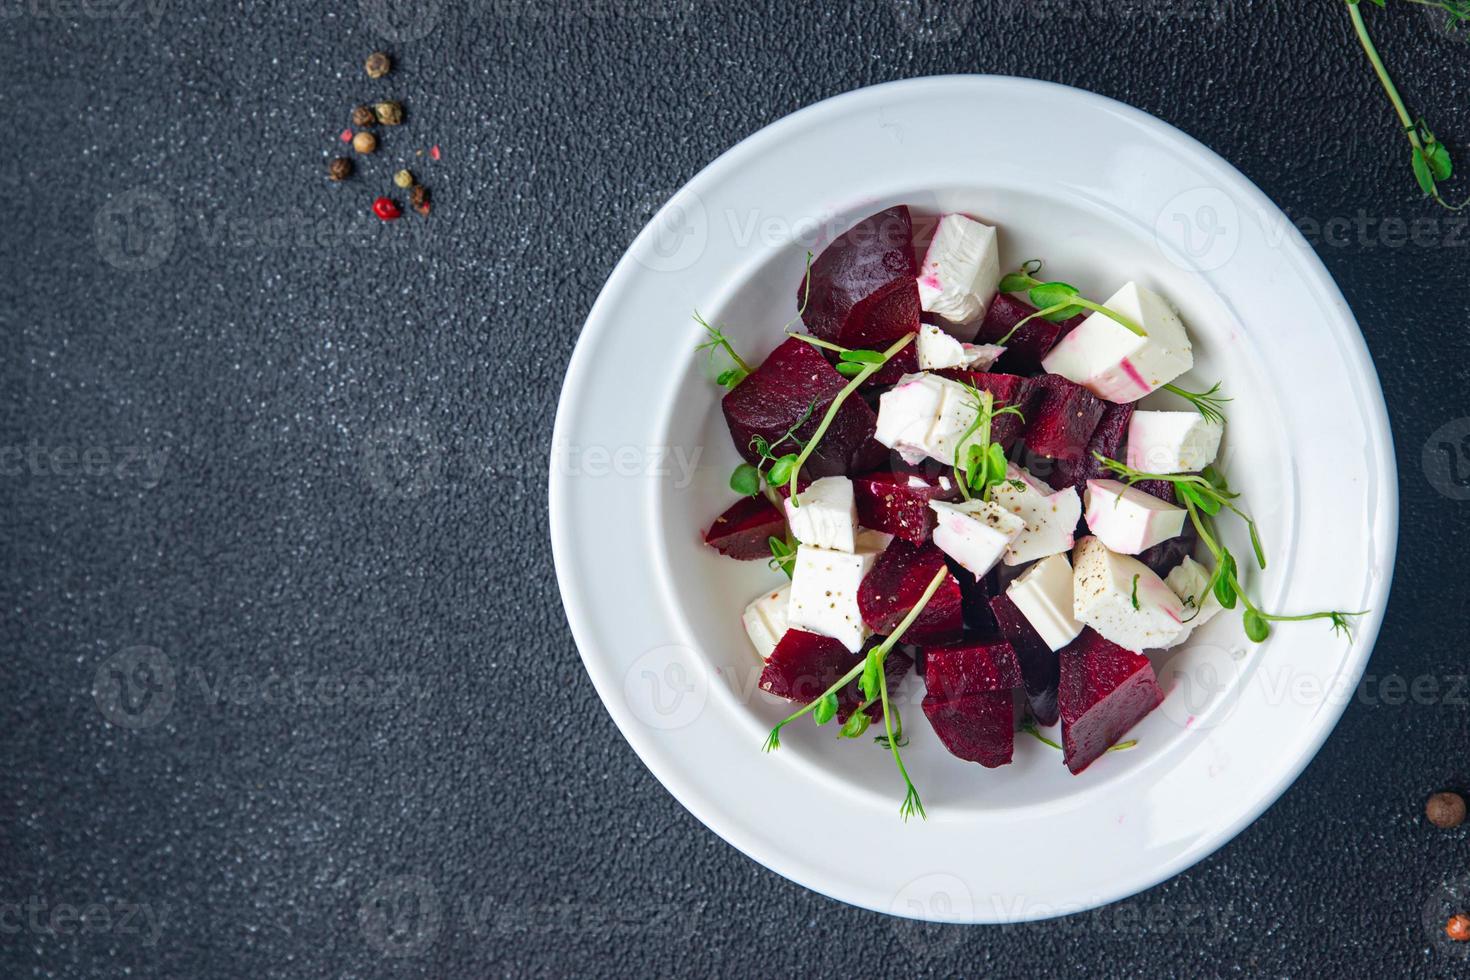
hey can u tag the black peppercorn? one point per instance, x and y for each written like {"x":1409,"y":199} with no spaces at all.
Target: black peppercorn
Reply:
{"x":340,"y":168}
{"x":364,"y":115}
{"x":378,"y":64}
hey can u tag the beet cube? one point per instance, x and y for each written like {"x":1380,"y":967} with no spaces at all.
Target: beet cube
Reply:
{"x":898,"y":504}
{"x":971,"y":666}
{"x":896,"y":584}
{"x":1027,"y":346}
{"x":1038,"y":661}
{"x":1104,"y":691}
{"x":864,"y":286}
{"x":1107,"y":439}
{"x":804,"y":665}
{"x":1065,"y":419}
{"x":795,"y":377}
{"x":741,"y":531}
{"x":975,"y":599}
{"x":975,"y":727}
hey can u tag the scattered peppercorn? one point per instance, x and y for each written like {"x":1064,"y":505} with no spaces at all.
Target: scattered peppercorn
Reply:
{"x":340,"y":168}
{"x":378,"y":64}
{"x":1458,"y":928}
{"x":387,"y":208}
{"x":419,"y":199}
{"x":365,"y":143}
{"x":1445,"y":810}
{"x":389,"y":113}
{"x":364,"y":116}
{"x":403,"y":179}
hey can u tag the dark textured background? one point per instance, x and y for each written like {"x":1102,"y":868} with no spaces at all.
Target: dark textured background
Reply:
{"x":258,"y":448}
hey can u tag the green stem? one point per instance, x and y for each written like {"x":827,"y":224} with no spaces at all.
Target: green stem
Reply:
{"x":857,"y":382}
{"x":1113,"y":315}
{"x":1388,"y":86}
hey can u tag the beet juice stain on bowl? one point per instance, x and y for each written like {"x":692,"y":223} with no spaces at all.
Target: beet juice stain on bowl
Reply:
{"x":915,"y":506}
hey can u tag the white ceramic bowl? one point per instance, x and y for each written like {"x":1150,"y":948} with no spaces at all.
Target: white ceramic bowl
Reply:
{"x":642,"y":456}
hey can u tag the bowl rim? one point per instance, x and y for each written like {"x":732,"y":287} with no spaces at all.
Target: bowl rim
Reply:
{"x":1354,"y":350}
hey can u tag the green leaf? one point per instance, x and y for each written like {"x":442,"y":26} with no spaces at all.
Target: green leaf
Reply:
{"x":856,"y":725}
{"x":862,"y":356}
{"x":848,"y":369}
{"x":780,"y":471}
{"x":1422,"y":173}
{"x":1016,"y":282}
{"x":1256,"y":627}
{"x":871,"y":676}
{"x":997,"y":463}
{"x":1224,"y":591}
{"x":746,"y":480}
{"x":826,"y":709}
{"x":1206,"y":502}
{"x":1441,"y":165}
{"x":1051,"y":294}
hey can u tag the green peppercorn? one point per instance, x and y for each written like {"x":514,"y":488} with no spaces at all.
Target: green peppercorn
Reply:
{"x":389,"y":113}
{"x":378,"y":64}
{"x":403,"y":179}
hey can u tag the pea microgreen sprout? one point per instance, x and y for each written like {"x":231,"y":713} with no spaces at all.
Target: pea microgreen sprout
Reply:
{"x":1029,"y":727}
{"x":984,"y":463}
{"x":1430,"y":159}
{"x":730,"y":377}
{"x":873,"y":682}
{"x":1204,"y":496}
{"x":866,"y":363}
{"x":1056,"y":301}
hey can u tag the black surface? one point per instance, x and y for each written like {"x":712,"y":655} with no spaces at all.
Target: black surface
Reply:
{"x":350,"y":422}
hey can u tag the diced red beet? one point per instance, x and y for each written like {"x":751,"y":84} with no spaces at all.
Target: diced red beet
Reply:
{"x":1064,"y":420}
{"x":886,"y":502}
{"x":741,"y":531}
{"x":779,"y":392}
{"x":1104,"y":691}
{"x":1007,"y":390}
{"x":1107,"y":439}
{"x":896,"y":584}
{"x":804,"y":665}
{"x":1027,"y":346}
{"x":975,"y":727}
{"x":1163,"y":489}
{"x":864,"y":286}
{"x":971,"y":666}
{"x":1038,"y":661}
{"x":1163,"y":556}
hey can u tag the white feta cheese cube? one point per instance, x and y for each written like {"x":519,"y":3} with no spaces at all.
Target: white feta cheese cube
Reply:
{"x":824,"y":593}
{"x":1128,"y":520}
{"x":1123,"y":600}
{"x":1051,"y":516}
{"x":975,"y":533}
{"x":1190,"y":581}
{"x":961,"y":271}
{"x":938,"y":350}
{"x":1112,"y":361}
{"x":1043,"y":593}
{"x":765,"y":619}
{"x":926,"y":415}
{"x":825,"y":514}
{"x":1172,"y":442}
